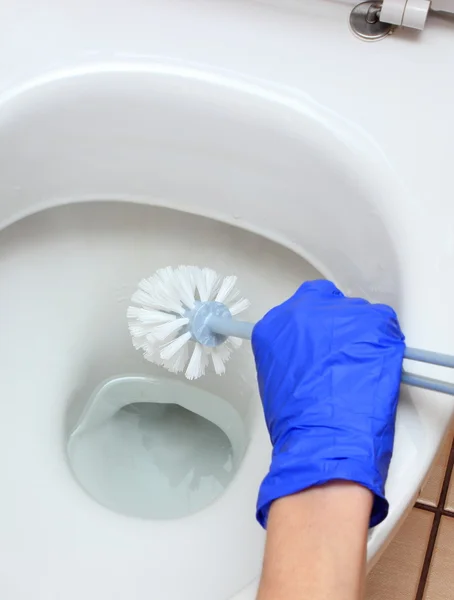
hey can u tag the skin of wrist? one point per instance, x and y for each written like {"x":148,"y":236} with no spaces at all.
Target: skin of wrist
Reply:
{"x":316,"y":544}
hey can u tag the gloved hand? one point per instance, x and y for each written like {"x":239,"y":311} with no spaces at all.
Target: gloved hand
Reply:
{"x":329,"y":370}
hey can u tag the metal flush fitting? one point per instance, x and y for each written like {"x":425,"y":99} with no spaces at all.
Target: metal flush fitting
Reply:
{"x":365,"y":22}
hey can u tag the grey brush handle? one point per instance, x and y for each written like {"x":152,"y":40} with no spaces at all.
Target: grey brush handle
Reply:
{"x":435,"y":385}
{"x":433,"y":358}
{"x":242,"y":329}
{"x":231,"y":327}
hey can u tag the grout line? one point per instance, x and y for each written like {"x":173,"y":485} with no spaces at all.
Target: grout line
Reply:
{"x":445,"y":512}
{"x":428,"y":557}
{"x":438,"y":512}
{"x":428,"y":507}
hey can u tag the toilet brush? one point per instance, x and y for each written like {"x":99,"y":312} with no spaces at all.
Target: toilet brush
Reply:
{"x":182,"y":318}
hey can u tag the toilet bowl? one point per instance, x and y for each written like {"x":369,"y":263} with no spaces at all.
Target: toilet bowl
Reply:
{"x":239,"y":136}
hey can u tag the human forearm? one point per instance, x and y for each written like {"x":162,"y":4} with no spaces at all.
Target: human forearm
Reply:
{"x":316,"y":544}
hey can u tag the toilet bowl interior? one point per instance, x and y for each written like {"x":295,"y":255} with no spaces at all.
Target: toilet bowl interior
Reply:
{"x":69,"y":146}
{"x":66,"y":276}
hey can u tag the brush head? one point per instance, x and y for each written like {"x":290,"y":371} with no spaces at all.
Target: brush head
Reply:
{"x":166,"y":320}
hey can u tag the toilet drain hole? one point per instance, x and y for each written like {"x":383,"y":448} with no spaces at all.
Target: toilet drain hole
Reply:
{"x":155,"y":459}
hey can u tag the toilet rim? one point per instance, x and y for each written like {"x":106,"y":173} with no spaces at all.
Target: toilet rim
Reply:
{"x":278,"y":104}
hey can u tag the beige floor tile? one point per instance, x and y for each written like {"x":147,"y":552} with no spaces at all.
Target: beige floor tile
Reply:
{"x":449,"y":504}
{"x":396,"y":575}
{"x":440,"y":582}
{"x":430,"y":493}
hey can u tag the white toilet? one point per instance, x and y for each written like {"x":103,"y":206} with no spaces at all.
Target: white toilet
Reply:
{"x":259,"y":138}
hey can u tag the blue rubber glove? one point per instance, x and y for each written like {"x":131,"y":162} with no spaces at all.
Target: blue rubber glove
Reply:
{"x":329,"y":370}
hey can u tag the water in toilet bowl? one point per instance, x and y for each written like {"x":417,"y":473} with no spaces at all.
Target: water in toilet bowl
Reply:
{"x":155,"y":448}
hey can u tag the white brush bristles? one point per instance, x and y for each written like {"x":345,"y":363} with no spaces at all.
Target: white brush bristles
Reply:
{"x":159,"y":323}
